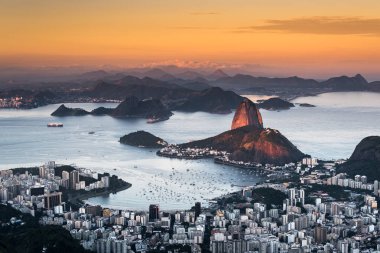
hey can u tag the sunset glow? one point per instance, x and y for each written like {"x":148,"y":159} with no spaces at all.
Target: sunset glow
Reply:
{"x":284,"y":37}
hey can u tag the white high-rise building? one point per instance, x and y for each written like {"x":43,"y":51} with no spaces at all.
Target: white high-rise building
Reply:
{"x":376,"y":187}
{"x":309,"y":161}
{"x":4,"y":194}
{"x":43,"y":172}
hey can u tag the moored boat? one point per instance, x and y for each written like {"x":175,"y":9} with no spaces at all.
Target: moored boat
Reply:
{"x":55,"y":124}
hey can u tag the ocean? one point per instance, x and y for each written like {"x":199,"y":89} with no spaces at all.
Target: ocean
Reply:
{"x":331,"y":130}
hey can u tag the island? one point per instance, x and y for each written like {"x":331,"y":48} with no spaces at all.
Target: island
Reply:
{"x":151,"y":109}
{"x":143,"y":139}
{"x":275,"y":104}
{"x":306,"y":105}
{"x":212,"y":100}
{"x":64,"y":111}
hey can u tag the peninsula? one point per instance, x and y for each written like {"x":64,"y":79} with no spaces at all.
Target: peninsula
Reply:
{"x":247,"y":142}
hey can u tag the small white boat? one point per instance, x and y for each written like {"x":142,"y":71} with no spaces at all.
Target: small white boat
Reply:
{"x":55,"y":124}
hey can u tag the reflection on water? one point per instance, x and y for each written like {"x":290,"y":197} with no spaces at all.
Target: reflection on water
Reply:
{"x":330,"y":130}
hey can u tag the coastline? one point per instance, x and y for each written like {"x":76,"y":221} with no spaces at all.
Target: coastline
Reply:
{"x":81,"y":197}
{"x":77,"y":198}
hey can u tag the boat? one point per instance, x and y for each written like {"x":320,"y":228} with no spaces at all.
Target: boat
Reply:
{"x":92,"y":132}
{"x":155,"y":120}
{"x":55,"y":124}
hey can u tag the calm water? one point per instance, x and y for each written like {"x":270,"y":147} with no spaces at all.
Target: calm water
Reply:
{"x":330,"y":130}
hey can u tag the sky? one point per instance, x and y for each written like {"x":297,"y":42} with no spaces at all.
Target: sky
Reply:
{"x":272,"y":37}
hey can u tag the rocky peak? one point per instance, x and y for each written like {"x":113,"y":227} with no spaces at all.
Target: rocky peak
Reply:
{"x":361,"y":79}
{"x":247,"y":114}
{"x":63,"y":111}
{"x":218,"y":74}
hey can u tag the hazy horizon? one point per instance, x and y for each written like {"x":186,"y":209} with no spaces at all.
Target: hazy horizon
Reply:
{"x":203,"y":68}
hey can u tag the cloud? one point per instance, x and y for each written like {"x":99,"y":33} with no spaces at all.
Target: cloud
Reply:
{"x":319,"y":25}
{"x":205,"y":65}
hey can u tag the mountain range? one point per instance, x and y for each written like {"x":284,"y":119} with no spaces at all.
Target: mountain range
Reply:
{"x":284,"y":87}
{"x":224,"y":78}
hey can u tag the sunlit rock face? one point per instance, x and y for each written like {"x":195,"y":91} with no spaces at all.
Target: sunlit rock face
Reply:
{"x":250,"y":144}
{"x":265,"y":146}
{"x":247,"y":114}
{"x":248,"y":141}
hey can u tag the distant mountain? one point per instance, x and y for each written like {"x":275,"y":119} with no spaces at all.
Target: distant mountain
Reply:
{"x":147,"y":108}
{"x":239,"y":82}
{"x":98,"y":74}
{"x":248,"y":83}
{"x":158,"y":74}
{"x":195,"y":85}
{"x":189,"y":97}
{"x":275,"y":104}
{"x":190,"y":75}
{"x":345,"y":83}
{"x":214,"y":100}
{"x":146,"y":81}
{"x":365,"y":160}
{"x":64,"y":111}
{"x":143,"y":139}
{"x":217,"y":74}
{"x":141,"y":88}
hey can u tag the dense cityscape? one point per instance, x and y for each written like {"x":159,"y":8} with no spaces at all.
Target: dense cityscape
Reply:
{"x":321,"y":211}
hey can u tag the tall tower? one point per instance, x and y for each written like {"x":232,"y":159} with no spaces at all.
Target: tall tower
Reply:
{"x":74,"y":179}
{"x":154,"y":212}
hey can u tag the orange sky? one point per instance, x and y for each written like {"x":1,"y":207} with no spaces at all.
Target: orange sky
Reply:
{"x":307,"y":38}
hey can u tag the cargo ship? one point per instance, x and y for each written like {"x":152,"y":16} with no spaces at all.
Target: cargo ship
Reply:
{"x":55,"y":124}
